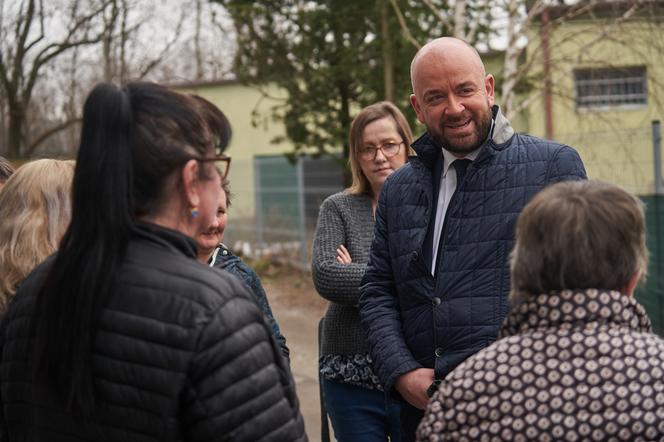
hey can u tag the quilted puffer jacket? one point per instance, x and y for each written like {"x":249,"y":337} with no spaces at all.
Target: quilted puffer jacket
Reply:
{"x":416,"y":320}
{"x":573,"y":365}
{"x":223,"y":258}
{"x":182,"y":353}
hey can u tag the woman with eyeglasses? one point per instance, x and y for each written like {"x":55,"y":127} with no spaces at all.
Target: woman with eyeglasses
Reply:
{"x":359,"y":409}
{"x":123,"y":334}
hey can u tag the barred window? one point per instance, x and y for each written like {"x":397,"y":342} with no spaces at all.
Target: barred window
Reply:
{"x":607,"y":87}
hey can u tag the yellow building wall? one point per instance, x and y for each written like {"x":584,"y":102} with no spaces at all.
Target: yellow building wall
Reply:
{"x":239,"y":102}
{"x":615,"y":143}
{"x":494,"y":64}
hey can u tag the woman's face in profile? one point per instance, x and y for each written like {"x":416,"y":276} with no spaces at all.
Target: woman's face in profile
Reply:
{"x":209,"y":194}
{"x":211,"y":237}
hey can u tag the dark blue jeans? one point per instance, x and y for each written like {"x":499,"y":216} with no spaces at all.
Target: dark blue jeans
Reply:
{"x":359,"y":414}
{"x":410,"y":419}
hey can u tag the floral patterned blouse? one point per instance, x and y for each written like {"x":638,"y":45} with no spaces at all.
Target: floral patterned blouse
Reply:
{"x":349,"y":369}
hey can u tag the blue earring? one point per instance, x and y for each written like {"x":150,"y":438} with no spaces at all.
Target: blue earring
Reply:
{"x":194,"y":212}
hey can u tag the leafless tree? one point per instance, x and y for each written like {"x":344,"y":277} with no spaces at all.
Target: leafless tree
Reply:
{"x":52,"y":53}
{"x":32,"y":34}
{"x":129,"y":48}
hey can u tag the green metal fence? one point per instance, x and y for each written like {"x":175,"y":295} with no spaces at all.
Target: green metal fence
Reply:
{"x":288,"y":197}
{"x":651,"y":294}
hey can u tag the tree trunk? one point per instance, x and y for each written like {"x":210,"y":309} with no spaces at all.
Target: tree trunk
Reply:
{"x":123,"y":43}
{"x":3,"y":123}
{"x":197,"y":42}
{"x":460,"y":19}
{"x":510,"y":64}
{"x":344,"y":119}
{"x":107,"y":43}
{"x":548,"y":102}
{"x":388,"y":61}
{"x":16,"y":123}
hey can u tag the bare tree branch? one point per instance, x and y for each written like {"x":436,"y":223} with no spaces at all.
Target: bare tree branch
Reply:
{"x":475,"y":24}
{"x":124,"y":36}
{"x":19,"y":70}
{"x":438,"y":13}
{"x":55,"y":49}
{"x":197,"y":41}
{"x":404,"y":27}
{"x":460,"y":19}
{"x":50,"y":132}
{"x":160,"y":57}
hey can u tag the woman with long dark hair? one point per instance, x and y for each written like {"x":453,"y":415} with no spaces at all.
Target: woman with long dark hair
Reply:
{"x":123,"y":334}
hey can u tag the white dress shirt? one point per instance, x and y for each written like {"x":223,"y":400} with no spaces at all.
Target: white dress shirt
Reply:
{"x":448,"y":183}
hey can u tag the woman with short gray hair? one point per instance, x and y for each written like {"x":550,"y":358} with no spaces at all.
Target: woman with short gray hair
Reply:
{"x":576,"y":359}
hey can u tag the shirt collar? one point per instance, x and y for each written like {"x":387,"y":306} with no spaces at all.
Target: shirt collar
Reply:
{"x":448,"y":158}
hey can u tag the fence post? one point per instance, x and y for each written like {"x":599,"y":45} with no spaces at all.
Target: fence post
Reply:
{"x":259,"y":204}
{"x":302,"y":215}
{"x":657,"y":154}
{"x":659,"y":194}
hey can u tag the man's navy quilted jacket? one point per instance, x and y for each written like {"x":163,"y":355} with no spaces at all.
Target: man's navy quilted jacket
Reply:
{"x":415,"y":320}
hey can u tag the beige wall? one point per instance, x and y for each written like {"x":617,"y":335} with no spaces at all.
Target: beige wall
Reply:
{"x":615,"y":142}
{"x":238,"y":102}
{"x":494,"y":64}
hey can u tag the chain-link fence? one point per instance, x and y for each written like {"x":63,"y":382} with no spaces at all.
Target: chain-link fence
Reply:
{"x":276,"y":202}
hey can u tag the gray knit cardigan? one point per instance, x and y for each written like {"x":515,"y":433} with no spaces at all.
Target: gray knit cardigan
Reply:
{"x":343,"y":219}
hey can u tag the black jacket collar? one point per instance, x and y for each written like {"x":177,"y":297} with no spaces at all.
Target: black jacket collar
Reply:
{"x":165,"y":237}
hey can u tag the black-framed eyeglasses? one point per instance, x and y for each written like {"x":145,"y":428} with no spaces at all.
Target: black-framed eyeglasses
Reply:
{"x":222,"y":163}
{"x":389,"y":149}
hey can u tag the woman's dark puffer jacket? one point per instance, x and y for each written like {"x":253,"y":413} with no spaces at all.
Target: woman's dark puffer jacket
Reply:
{"x":182,"y":354}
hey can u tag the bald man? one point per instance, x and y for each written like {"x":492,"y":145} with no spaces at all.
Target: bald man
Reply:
{"x":435,"y":289}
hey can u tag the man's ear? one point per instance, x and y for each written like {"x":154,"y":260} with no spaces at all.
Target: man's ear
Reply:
{"x":417,"y":108}
{"x":490,"y":91}
{"x":190,"y":183}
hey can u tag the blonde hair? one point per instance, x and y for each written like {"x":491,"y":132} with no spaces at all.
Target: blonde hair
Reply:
{"x":6,"y":170}
{"x":35,"y":209}
{"x":371,"y":113}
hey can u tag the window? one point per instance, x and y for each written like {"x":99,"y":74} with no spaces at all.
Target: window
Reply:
{"x":608,"y":87}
